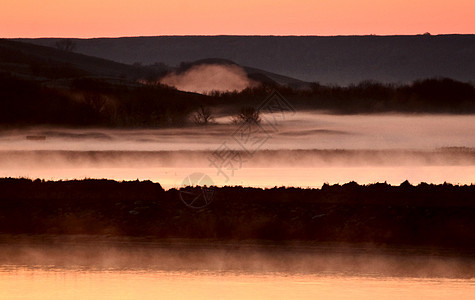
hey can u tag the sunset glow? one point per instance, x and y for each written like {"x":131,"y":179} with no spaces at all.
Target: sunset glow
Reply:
{"x":237,"y":149}
{"x":87,"y":18}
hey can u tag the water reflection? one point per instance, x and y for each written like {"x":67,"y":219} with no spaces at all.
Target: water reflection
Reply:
{"x":30,"y":283}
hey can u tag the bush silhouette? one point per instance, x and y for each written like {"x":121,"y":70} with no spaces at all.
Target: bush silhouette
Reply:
{"x":248,"y":114}
{"x":203,"y":116}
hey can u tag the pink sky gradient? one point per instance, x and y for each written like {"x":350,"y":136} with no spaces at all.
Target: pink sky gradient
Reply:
{"x":112,"y":18}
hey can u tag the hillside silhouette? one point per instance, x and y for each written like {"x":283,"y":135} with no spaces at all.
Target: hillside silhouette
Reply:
{"x":339,"y":60}
{"x":38,"y":62}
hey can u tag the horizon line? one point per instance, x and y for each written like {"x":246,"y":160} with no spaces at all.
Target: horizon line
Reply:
{"x":240,"y":35}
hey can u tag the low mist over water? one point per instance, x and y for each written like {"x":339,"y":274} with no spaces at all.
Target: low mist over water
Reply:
{"x":300,"y":131}
{"x":306,"y":149}
{"x":97,"y":269}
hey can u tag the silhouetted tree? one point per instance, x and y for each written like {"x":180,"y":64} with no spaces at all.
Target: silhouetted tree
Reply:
{"x":247,"y":114}
{"x":203,"y":116}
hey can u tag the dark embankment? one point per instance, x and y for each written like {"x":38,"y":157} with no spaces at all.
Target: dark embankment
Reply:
{"x":424,"y":216}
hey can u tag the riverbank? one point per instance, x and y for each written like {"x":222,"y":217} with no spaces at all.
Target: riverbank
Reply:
{"x":426,"y":216}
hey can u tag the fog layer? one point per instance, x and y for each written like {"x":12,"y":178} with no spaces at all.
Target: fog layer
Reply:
{"x":305,"y":149}
{"x":304,"y":130}
{"x":206,"y":78}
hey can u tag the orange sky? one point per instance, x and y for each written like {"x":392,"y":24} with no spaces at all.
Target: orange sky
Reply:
{"x":95,"y":18}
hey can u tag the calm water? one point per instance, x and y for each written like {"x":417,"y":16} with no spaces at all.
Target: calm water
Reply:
{"x":84,"y":267}
{"x":51,"y":283}
{"x":28,"y":283}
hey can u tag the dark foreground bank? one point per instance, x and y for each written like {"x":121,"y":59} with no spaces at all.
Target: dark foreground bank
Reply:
{"x":437,"y":217}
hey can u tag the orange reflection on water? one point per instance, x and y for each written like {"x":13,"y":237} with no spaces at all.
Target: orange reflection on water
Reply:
{"x":29,"y":283}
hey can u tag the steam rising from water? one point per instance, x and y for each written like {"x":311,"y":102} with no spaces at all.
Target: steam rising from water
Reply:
{"x":308,"y":149}
{"x":207,"y":78}
{"x":103,"y":270}
{"x":94,"y":252}
{"x":304,"y":130}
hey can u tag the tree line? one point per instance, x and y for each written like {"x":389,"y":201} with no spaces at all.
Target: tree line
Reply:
{"x":89,"y":101}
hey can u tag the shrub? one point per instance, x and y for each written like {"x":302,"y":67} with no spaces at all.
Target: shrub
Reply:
{"x":203,"y":116}
{"x":247,"y":114}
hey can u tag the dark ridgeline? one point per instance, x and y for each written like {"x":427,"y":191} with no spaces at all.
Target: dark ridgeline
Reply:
{"x":329,"y":60}
{"x":433,"y":216}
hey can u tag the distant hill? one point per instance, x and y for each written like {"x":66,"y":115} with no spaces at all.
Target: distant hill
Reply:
{"x":48,"y":86}
{"x":336,"y":60}
{"x":253,"y":73}
{"x":41,"y":62}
